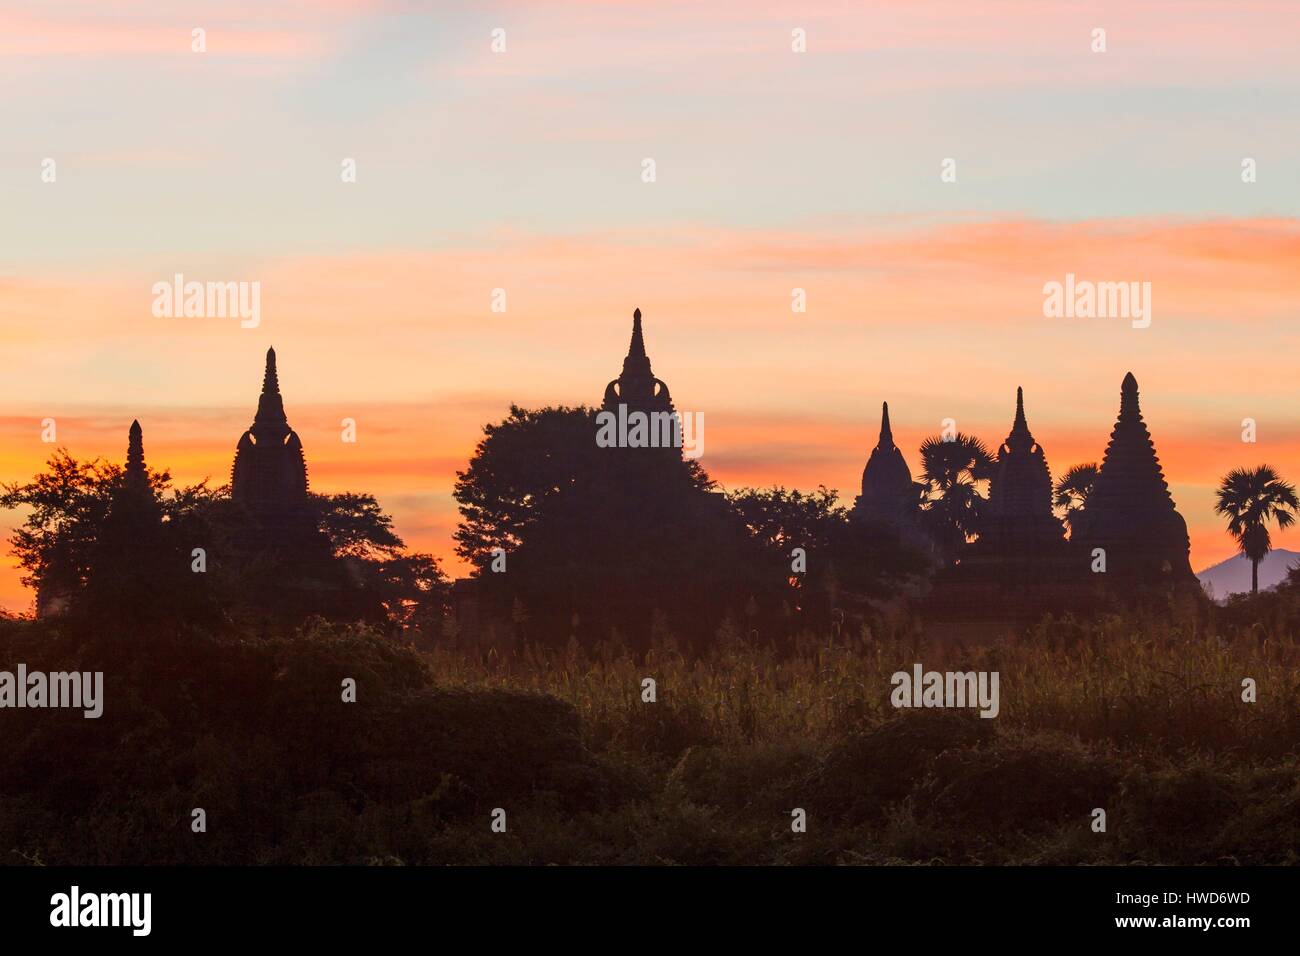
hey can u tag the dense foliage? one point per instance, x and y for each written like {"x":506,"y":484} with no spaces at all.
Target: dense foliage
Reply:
{"x":112,"y":560}
{"x":1142,"y":717}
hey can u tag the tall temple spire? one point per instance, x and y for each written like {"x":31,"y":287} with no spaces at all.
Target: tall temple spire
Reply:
{"x":886,"y":480}
{"x":1130,"y":513}
{"x":637,"y":386}
{"x":134,"y":501}
{"x":1020,"y":427}
{"x":135,"y":470}
{"x":1128,"y":398}
{"x":270,"y":472}
{"x":1020,"y":517}
{"x":636,"y":362}
{"x":270,"y":419}
{"x":270,"y":378}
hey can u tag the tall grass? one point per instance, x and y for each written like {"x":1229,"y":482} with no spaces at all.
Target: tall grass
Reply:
{"x":1160,"y":687}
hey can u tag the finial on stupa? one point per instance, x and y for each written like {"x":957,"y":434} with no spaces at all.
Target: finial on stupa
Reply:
{"x":637,"y":347}
{"x":271,"y":380}
{"x":637,"y":362}
{"x":886,"y":433}
{"x":1020,"y":427}
{"x":1128,"y":396}
{"x":270,"y":418}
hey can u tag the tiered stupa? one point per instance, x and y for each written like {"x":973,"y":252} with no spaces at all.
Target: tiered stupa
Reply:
{"x":132,"y":568}
{"x":269,"y":476}
{"x":1019,"y":567}
{"x":637,"y":387}
{"x":659,"y":436}
{"x":136,"y":479}
{"x":133,"y":514}
{"x":1130,"y":513}
{"x":1019,"y":525}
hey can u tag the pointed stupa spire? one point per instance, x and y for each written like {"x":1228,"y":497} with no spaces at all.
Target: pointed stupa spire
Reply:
{"x":1020,"y":425}
{"x":135,"y":470}
{"x":270,"y":472}
{"x":1019,"y":439}
{"x":1020,"y":495}
{"x":637,"y":386}
{"x":886,"y":433}
{"x":637,"y":362}
{"x":271,"y":378}
{"x":1128,"y":397}
{"x":886,"y":479}
{"x":1130,"y":512}
{"x":1131,"y":468}
{"x":270,"y":419}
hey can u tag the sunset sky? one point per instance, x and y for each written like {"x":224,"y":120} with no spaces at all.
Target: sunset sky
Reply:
{"x":775,"y":170}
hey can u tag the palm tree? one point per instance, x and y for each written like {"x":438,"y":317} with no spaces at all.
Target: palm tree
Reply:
{"x":1250,"y":499}
{"x":953,"y":471}
{"x":1073,"y":489}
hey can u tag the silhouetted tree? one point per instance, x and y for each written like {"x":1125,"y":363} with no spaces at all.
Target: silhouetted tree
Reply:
{"x":410,"y":588}
{"x":1071,"y":492}
{"x":846,"y":562}
{"x":613,"y":536}
{"x":90,"y":547}
{"x":1251,"y":498}
{"x":781,"y":521}
{"x":955,"y":471}
{"x":356,"y":526}
{"x":68,"y":504}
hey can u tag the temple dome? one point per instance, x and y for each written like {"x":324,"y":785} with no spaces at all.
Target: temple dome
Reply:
{"x":886,"y":479}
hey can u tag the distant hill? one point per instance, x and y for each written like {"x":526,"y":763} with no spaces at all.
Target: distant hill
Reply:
{"x":1233,"y":576}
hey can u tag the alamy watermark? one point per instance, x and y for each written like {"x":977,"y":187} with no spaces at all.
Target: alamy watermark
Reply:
{"x":946,"y":689}
{"x":638,"y":429}
{"x":1085,"y":299}
{"x":75,"y":908}
{"x":78,"y":690}
{"x":210,"y":300}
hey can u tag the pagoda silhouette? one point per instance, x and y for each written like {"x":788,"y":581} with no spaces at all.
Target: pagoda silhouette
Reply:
{"x":637,"y":488}
{"x":1019,"y":566}
{"x":269,"y":475}
{"x":636,"y":386}
{"x":136,"y":573}
{"x":297,"y":573}
{"x":888,"y":495}
{"x":888,"y":506}
{"x":1020,"y":531}
{"x":1128,"y":540}
{"x":636,"y":393}
{"x":1130,"y":515}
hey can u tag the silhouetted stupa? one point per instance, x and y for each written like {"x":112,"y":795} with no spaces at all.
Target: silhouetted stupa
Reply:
{"x":269,"y":476}
{"x":131,"y":568}
{"x":637,"y":387}
{"x":1018,"y":522}
{"x":137,"y":477}
{"x":1130,"y":513}
{"x":887,"y":492}
{"x":1019,"y":568}
{"x":134,"y":510}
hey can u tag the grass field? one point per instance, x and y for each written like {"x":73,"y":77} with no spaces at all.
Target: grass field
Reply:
{"x":1140,"y":718}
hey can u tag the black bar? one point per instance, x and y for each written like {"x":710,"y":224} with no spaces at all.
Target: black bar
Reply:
{"x":330,"y":904}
